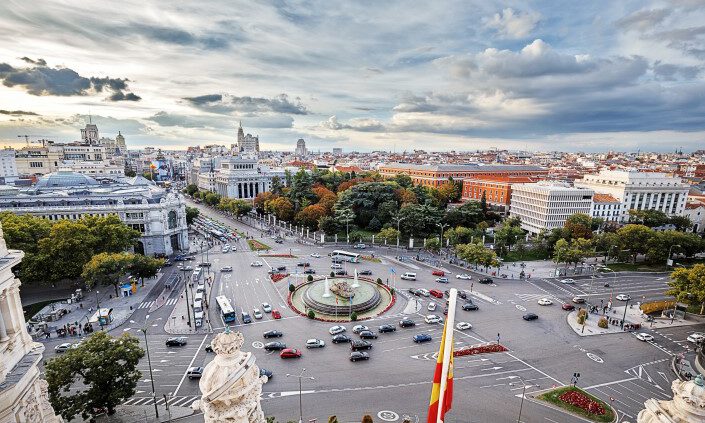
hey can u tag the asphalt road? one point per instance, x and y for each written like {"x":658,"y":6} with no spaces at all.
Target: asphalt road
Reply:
{"x":396,"y":381}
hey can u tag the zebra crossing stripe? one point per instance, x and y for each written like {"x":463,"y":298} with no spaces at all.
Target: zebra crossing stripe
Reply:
{"x":179,"y":401}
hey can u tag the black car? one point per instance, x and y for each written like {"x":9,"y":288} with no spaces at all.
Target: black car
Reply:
{"x":530,"y":316}
{"x":463,"y":295}
{"x":272,"y":334}
{"x":470,"y":306}
{"x":387,"y":328}
{"x":168,"y":263}
{"x":364,"y":272}
{"x":447,"y":293}
{"x":205,"y":264}
{"x":281,"y":268}
{"x":341,"y":272}
{"x":422,"y":337}
{"x":360,"y":345}
{"x":414,"y":291}
{"x":209,"y":348}
{"x":486,"y":280}
{"x":309,"y":271}
{"x":359,"y":355}
{"x":368,"y":334}
{"x":406,"y":323}
{"x":246,"y":318}
{"x":303,"y":264}
{"x":340,"y":338}
{"x":176,"y":342}
{"x":279,"y":240}
{"x":265,"y":372}
{"x":274,"y":346}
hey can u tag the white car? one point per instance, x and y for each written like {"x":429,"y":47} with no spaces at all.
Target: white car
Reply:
{"x":568,"y":281}
{"x":336,"y":330}
{"x":266,"y":308}
{"x":256,"y":264}
{"x":545,"y":302}
{"x":62,"y":347}
{"x":226,"y":269}
{"x":315,"y":255}
{"x":336,"y":266}
{"x":431,"y":306}
{"x":315,"y":343}
{"x":424,"y":292}
{"x":696,"y":337}
{"x":464,"y":276}
{"x":623,"y":297}
{"x":225,"y":249}
{"x":644,"y":337}
{"x":359,"y":328}
{"x":463,"y":326}
{"x":257,"y":313}
{"x":432,"y":318}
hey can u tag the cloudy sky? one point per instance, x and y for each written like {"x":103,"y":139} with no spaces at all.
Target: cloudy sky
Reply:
{"x":361,"y":75}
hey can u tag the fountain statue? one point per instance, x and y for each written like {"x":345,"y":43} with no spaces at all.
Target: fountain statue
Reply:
{"x":356,"y":283}
{"x":687,"y":405}
{"x":326,"y":290}
{"x":231,"y":384}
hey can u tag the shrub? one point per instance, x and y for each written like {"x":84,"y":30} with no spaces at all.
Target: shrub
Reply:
{"x":333,"y":419}
{"x":309,"y":278}
{"x":582,"y":316}
{"x":379,"y":281}
{"x":332,"y":274}
{"x":292,"y":288}
{"x":353,"y":316}
{"x":311,"y":314}
{"x":367,"y":419}
{"x":603,"y":322}
{"x":392,"y":290}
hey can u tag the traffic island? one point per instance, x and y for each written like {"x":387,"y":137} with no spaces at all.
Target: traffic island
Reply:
{"x":257,"y":246}
{"x":578,"y":402}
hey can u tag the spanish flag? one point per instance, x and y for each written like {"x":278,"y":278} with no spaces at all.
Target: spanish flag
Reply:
{"x":442,"y":391}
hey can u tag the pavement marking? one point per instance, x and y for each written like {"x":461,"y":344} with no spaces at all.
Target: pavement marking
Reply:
{"x":609,"y":383}
{"x":190,"y":365}
{"x":388,"y":416}
{"x":543,"y":373}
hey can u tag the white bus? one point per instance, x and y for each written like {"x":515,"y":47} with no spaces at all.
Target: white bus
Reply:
{"x":226,"y":310}
{"x":345,"y":255}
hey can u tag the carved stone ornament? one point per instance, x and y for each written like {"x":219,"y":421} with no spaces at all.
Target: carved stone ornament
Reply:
{"x":687,"y":405}
{"x":342,"y":289}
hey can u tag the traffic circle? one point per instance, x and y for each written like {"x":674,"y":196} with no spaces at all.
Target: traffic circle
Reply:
{"x":388,"y":416}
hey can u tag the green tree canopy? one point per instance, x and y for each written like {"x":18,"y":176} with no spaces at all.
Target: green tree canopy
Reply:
{"x":191,"y":189}
{"x":509,"y":233}
{"x":191,"y":214}
{"x":635,"y":238}
{"x":579,"y":225}
{"x":107,"y":269}
{"x":688,"y":285}
{"x":144,"y":267}
{"x":110,"y":234}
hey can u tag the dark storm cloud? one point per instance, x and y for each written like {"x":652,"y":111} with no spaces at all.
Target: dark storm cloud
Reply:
{"x":42,"y":80}
{"x":218,"y":103}
{"x":204,"y":99}
{"x":17,"y":113}
{"x":176,"y":36}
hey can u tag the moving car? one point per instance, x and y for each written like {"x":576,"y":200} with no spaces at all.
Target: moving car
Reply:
{"x":257,"y":313}
{"x":336,"y":329}
{"x":359,"y":328}
{"x":303,"y":264}
{"x":438,"y":273}
{"x":204,"y":264}
{"x":194,"y":372}
{"x":409,"y":276}
{"x":463,"y":276}
{"x":336,"y":266}
{"x":315,"y":343}
{"x":568,"y":307}
{"x":341,"y":272}
{"x":415,"y":291}
{"x":226,"y":269}
{"x":273,"y":334}
{"x":368,"y":334}
{"x":340,"y":338}
{"x":442,"y":280}
{"x":623,"y":297}
{"x":274,"y":346}
{"x":486,"y":280}
{"x":644,"y":337}
{"x":225,"y":249}
{"x":178,"y":341}
{"x":470,"y":306}
{"x":406,"y":323}
{"x":387,"y":328}
{"x":209,"y":348}
{"x":696,"y":337}
{"x":315,"y":255}
{"x":545,"y":302}
{"x":360,"y":246}
{"x":431,"y":306}
{"x":365,"y":272}
{"x":436,"y":293}
{"x":463,"y":295}
{"x":579,"y":300}
{"x":266,"y":307}
{"x":359,"y":355}
{"x":463,"y":326}
{"x":530,"y":316}
{"x":568,"y":281}
{"x":276,"y":314}
{"x":265,"y":372}
{"x":281,"y":268}
{"x":64,"y":347}
{"x":357,"y":345}
{"x":424,"y":292}
{"x":432,"y":318}
{"x":422,"y":337}
{"x":309,"y":271}
{"x":246,"y":317}
{"x":290,"y":353}
{"x":256,"y":264}
{"x":279,"y":241}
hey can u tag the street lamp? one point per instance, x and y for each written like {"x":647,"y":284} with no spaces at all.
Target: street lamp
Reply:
{"x":442,"y":226}
{"x":626,"y":305}
{"x":523,"y":394}
{"x":188,"y":312}
{"x":301,"y":376}
{"x":149,"y":362}
{"x":669,"y":253}
{"x":398,"y":219}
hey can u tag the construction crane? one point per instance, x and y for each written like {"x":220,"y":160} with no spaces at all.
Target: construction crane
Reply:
{"x":26,"y":138}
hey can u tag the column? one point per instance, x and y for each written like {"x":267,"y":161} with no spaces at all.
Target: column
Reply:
{"x":239,"y":190}
{"x":3,"y":330}
{"x":6,"y":310}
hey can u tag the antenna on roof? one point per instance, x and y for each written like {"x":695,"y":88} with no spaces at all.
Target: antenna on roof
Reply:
{"x":90,"y":118}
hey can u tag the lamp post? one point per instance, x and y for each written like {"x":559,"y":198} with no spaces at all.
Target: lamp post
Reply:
{"x":188,"y":312}
{"x":442,"y":226}
{"x":523,"y":394}
{"x":149,"y":362}
{"x":626,"y":305}
{"x":301,"y":376}
{"x":398,"y":219}
{"x":669,"y":252}
{"x":97,"y":307}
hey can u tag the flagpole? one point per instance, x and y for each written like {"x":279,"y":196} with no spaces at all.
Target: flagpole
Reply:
{"x":447,"y":351}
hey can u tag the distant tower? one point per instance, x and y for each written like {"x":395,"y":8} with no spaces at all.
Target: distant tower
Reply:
{"x":300,"y":148}
{"x":120,"y":142}
{"x":89,"y":134}
{"x":240,"y":137}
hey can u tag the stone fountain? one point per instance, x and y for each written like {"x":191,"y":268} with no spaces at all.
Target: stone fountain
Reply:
{"x":687,"y":405}
{"x":326,"y":291}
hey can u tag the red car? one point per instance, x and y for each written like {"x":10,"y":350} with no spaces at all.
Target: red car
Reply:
{"x":568,"y":307}
{"x":436,"y":293}
{"x":276,"y":314}
{"x":438,"y":273}
{"x":290,"y":353}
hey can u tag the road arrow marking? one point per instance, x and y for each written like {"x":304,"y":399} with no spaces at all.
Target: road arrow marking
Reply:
{"x":663,"y":375}
{"x":492,"y":368}
{"x":508,"y":377}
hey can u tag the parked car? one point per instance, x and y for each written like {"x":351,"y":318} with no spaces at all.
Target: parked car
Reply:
{"x":290,"y":353}
{"x":315,"y":343}
{"x":359,"y":328}
{"x":276,"y":314}
{"x":387,"y":328}
{"x":64,"y":347}
{"x":644,"y":337}
{"x":568,"y":281}
{"x":337,"y":339}
{"x":309,"y":271}
{"x":696,"y":337}
{"x":225,"y":249}
{"x":422,"y":337}
{"x":209,"y":348}
{"x":360,"y":246}
{"x":336,"y":266}
{"x":279,"y":241}
{"x":579,"y":300}
{"x":470,"y":306}
{"x":274,"y":346}
{"x":257,"y":313}
{"x":414,"y":291}
{"x":281,"y":268}
{"x":359,"y":355}
{"x":266,"y":307}
{"x":568,"y":307}
{"x":486,"y":280}
{"x":357,"y":345}
{"x":256,"y":264}
{"x":194,"y":372}
{"x":273,"y":334}
{"x":336,"y":329}
{"x":365,"y":272}
{"x":432,"y":319}
{"x":303,"y":264}
{"x":530,"y":316}
{"x":368,"y":334}
{"x":545,"y":302}
{"x":431,"y":306}
{"x":226,"y":269}
{"x":623,"y":297}
{"x":442,"y":280}
{"x":436,"y":293}
{"x":424,"y":292}
{"x":265,"y":372}
{"x":178,"y":341}
{"x":463,"y":276}
{"x":438,"y":273}
{"x":341,"y":272}
{"x":463,"y":326}
{"x":246,"y":317}
{"x":406,"y":323}
{"x":204,"y":264}
{"x":315,"y":255}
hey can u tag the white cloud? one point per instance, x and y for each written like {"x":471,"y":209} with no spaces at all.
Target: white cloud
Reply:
{"x":511,"y":24}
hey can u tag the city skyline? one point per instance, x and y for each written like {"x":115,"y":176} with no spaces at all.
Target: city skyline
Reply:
{"x":393,"y":76}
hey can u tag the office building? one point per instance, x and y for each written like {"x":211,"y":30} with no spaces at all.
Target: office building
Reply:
{"x":247,"y":143}
{"x":300,"y":148}
{"x":436,"y":175}
{"x":547,"y":205}
{"x":8,"y":166}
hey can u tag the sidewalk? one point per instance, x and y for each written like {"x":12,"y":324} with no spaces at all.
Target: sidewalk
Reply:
{"x":177,"y":323}
{"x":145,"y":413}
{"x":633,"y":316}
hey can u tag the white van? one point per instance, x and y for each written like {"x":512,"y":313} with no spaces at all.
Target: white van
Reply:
{"x":409,"y":276}
{"x":200,"y":289}
{"x":197,"y":307}
{"x":198,"y":297}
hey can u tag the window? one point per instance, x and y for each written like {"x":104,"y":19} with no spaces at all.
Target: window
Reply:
{"x":172,"y":219}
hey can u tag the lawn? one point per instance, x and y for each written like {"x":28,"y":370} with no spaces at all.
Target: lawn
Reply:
{"x":553,"y":398}
{"x":257,"y":246}
{"x":636,"y":267}
{"x":32,"y":309}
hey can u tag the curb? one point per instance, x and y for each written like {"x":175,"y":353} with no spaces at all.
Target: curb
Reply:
{"x":532,"y":398}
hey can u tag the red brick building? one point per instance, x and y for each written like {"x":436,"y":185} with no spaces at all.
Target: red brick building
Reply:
{"x":436,"y":175}
{"x":497,"y":189}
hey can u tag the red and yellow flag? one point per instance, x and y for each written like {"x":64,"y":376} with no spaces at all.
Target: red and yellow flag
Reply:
{"x":437,"y":376}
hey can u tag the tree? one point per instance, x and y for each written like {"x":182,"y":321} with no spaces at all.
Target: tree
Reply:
{"x":403,"y":180}
{"x":682,"y":223}
{"x":609,"y":243}
{"x":300,"y":193}
{"x":420,"y":220}
{"x":144,"y":267}
{"x":191,"y":189}
{"x":483,"y":202}
{"x":635,"y":238}
{"x":281,"y":207}
{"x":130,"y":173}
{"x":261,"y":200}
{"x":333,"y":419}
{"x":447,"y":192}
{"x":651,"y":218}
{"x":477,"y":254}
{"x":579,"y":225}
{"x":110,"y":234}
{"x":67,"y":248}
{"x":468,"y":215}
{"x":101,"y":373}
{"x":509,"y":234}
{"x":367,"y":419}
{"x":328,"y":225}
{"x":388,"y":234}
{"x":277,"y":186}
{"x":345,"y":216}
{"x":375,"y":225}
{"x":107,"y":269}
{"x":688,"y":285}
{"x":191,"y":214}
{"x":310,"y":216}
{"x":676,"y":242}
{"x":571,"y":252}
{"x":433,"y":245}
{"x":23,"y":232}
{"x":460,"y":235}
{"x":212,"y":199}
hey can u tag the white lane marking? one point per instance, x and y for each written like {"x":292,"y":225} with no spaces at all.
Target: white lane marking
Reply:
{"x":190,"y":365}
{"x":542,"y":372}
{"x":610,"y":383}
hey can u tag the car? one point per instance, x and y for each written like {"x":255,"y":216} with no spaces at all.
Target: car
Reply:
{"x":530,"y":316}
{"x":274,"y":346}
{"x":337,"y":339}
{"x":62,"y":347}
{"x":442,"y":280}
{"x":246,"y":317}
{"x":257,"y":313}
{"x":463,"y":295}
{"x":432,"y":318}
{"x":545,"y":302}
{"x":424,"y":292}
{"x":357,"y":345}
{"x":225,"y":249}
{"x":368,"y":334}
{"x":279,"y":241}
{"x":447,"y":294}
{"x":178,"y":341}
{"x":486,"y":280}
{"x":336,"y":266}
{"x":568,"y":281}
{"x":209,"y":348}
{"x":341,"y":272}
{"x":315,"y":343}
{"x":568,"y":307}
{"x":579,"y":300}
{"x":623,"y":297}
{"x":387,"y":328}
{"x":188,"y":268}
{"x":359,"y":355}
{"x":696,"y":337}
{"x":436,"y":293}
{"x":273,"y":334}
{"x":359,"y":328}
{"x":336,"y":329}
{"x":167,"y":263}
{"x":265,"y":372}
{"x":463,"y":326}
{"x":438,"y":273}
{"x":290,"y":353}
{"x":360,"y":246}
{"x":309,"y":271}
{"x":315,"y":255}
{"x":470,"y":306}
{"x":644,"y":337}
{"x":336,"y":260}
{"x":194,"y":372}
{"x":256,"y":264}
{"x":276,"y":314}
{"x":463,"y":276}
{"x":406,"y":323}
{"x":303,"y":264}
{"x":281,"y":268}
{"x":414,"y":291}
{"x":431,"y":306}
{"x":266,"y":308}
{"x":422,"y":337}
{"x":204,"y":264}
{"x":226,"y":269}
{"x":365,"y":272}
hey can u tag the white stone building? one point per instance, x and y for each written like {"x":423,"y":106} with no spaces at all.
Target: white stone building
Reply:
{"x":606,"y":207}
{"x":8,"y":165}
{"x":695,"y":211}
{"x":243,"y":178}
{"x":639,"y":190}
{"x":300,"y":148}
{"x":23,"y":395}
{"x":547,"y":205}
{"x":247,"y":143}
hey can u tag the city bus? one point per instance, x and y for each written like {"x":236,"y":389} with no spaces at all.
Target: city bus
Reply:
{"x":345,"y":255}
{"x":226,"y":310}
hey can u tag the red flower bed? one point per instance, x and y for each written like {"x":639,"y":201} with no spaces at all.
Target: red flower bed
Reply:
{"x":278,"y":276}
{"x":580,"y":400}
{"x":480,"y":349}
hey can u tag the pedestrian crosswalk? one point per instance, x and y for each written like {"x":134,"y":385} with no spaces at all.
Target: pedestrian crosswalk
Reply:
{"x":535,"y":297}
{"x":177,"y":401}
{"x":146,"y":304}
{"x":171,"y":301}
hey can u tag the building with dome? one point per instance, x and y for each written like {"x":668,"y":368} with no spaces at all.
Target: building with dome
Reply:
{"x":300,"y":148}
{"x":159,"y":214}
{"x":687,"y":405}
